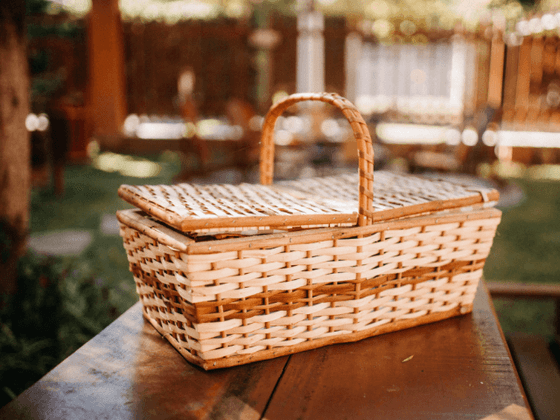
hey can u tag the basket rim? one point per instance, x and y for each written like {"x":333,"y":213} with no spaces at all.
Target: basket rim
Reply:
{"x":181,"y":242}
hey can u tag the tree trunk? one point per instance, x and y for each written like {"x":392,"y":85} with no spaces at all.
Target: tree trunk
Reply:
{"x":14,"y":141}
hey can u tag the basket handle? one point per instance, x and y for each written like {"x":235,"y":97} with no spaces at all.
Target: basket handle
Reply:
{"x":361,"y":133}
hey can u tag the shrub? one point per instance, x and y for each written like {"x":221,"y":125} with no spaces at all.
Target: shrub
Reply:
{"x":60,"y":304}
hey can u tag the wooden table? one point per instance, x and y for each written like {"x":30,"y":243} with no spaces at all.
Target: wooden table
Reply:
{"x":460,"y":369}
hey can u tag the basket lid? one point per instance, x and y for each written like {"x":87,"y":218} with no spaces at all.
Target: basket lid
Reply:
{"x":316,"y":202}
{"x":305,"y":203}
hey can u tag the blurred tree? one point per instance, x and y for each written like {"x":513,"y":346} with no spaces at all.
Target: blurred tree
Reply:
{"x":33,"y":7}
{"x":14,"y":140}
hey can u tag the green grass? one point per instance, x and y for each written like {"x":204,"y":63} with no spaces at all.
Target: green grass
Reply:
{"x":89,"y":194}
{"x":527,"y":250}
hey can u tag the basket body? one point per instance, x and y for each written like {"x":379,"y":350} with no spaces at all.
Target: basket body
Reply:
{"x":228,"y":302}
{"x":351,"y":261}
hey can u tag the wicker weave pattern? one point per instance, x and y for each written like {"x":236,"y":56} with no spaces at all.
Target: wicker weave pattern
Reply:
{"x":233,"y":303}
{"x":392,"y":190}
{"x":223,"y":202}
{"x":413,"y":254}
{"x":209,"y":208}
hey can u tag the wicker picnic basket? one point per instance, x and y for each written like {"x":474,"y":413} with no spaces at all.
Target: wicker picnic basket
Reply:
{"x":236,"y":274}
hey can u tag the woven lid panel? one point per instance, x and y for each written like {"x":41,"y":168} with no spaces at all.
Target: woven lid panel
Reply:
{"x":224,"y":200}
{"x":331,"y":201}
{"x":392,"y":190}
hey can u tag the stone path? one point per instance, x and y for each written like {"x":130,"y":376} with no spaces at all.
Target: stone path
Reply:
{"x":71,"y":242}
{"x":61,"y":242}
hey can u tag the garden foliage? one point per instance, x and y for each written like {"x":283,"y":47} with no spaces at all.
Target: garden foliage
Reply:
{"x":59,"y":305}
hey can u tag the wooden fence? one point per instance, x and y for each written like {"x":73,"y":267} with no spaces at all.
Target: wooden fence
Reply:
{"x":222,"y":59}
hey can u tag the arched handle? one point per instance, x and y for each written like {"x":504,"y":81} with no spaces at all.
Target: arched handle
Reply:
{"x":361,"y":133}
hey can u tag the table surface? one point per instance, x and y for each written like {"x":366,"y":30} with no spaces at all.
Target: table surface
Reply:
{"x":458,"y":368}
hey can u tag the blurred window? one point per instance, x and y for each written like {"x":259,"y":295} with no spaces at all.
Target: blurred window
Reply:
{"x":417,"y":82}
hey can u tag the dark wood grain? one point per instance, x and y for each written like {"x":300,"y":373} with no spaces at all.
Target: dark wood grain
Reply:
{"x":129,"y":372}
{"x":460,"y":369}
